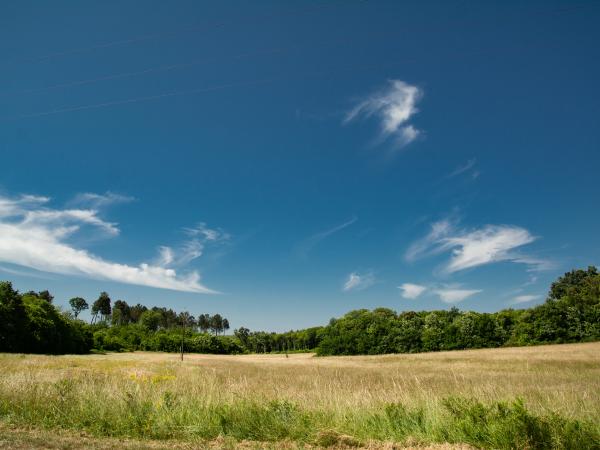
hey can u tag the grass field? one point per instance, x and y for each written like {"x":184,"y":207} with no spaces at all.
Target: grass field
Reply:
{"x":447,"y":399}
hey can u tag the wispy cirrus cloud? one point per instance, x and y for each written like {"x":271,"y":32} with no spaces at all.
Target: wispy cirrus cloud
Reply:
{"x":97,"y":201}
{"x":192,"y":248}
{"x":411,"y":291}
{"x":430,"y":243}
{"x":453,"y":295}
{"x":303,"y":248}
{"x":467,"y":168}
{"x":486,"y":245}
{"x":525,"y":298}
{"x":359,"y":282}
{"x":394,"y":106}
{"x":36,"y":236}
{"x":492,"y":243}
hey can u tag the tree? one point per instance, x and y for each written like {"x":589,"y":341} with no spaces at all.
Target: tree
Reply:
{"x":225,"y":326}
{"x":78,"y":304}
{"x":186,"y":319}
{"x":13,"y":319}
{"x":135,"y":312}
{"x":45,"y":295}
{"x":101,"y":306}
{"x":150,"y":320}
{"x":31,"y":324}
{"x":204,"y":322}
{"x":216,"y":324}
{"x":572,"y":283}
{"x":121,"y":313}
{"x":243,"y":334}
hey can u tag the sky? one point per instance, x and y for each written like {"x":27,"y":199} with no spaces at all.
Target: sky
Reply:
{"x":282,"y":163}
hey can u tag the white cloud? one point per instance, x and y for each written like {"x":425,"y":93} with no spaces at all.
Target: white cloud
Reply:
{"x":455,"y":295}
{"x":393,"y":106}
{"x":96,"y":201}
{"x":357,"y":282}
{"x":59,"y":219}
{"x":166,"y":255}
{"x":524,"y":299}
{"x":465,"y":168}
{"x":307,"y":244}
{"x":426,"y":245}
{"x":411,"y":291}
{"x":492,"y":243}
{"x":489,"y":244}
{"x":34,"y":236}
{"x":207,"y":234}
{"x":192,"y":248}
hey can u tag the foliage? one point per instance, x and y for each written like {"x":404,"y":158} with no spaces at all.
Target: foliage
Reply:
{"x":139,"y":337}
{"x":570,"y":314}
{"x":78,"y":304}
{"x":101,"y":307}
{"x":31,"y":324}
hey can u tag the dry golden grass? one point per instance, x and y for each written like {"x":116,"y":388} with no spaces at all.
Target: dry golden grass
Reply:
{"x":563,"y":379}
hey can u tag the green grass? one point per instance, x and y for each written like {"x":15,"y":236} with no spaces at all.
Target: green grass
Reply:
{"x":452,"y":420}
{"x":313,"y":401}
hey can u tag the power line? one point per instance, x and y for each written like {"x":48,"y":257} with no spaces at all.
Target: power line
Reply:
{"x":333,"y":42}
{"x":257,"y":82}
{"x":167,"y":34}
{"x":306,"y":74}
{"x":120,"y":75}
{"x":142,"y":99}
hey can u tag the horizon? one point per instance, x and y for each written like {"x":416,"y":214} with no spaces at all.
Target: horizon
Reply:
{"x":282,"y":164}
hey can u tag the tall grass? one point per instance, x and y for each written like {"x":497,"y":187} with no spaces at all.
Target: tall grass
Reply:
{"x":545,"y":397}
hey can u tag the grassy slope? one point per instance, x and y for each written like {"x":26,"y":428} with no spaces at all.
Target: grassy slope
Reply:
{"x":435,"y":397}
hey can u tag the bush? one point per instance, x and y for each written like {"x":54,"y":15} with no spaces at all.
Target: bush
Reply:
{"x":31,"y":324}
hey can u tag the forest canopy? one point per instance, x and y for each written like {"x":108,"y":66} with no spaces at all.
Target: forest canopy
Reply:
{"x":31,"y":323}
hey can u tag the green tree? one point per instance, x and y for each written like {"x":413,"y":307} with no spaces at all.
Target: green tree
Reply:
{"x":225,"y":325}
{"x":101,"y":307}
{"x":243,"y":334}
{"x":204,"y":322}
{"x":135,"y":312}
{"x":45,"y":295}
{"x":121,"y":313}
{"x":216,"y":324}
{"x":13,"y":319}
{"x":78,"y":304}
{"x":151,"y":320}
{"x":573,"y":283}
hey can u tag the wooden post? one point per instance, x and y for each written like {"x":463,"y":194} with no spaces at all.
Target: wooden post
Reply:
{"x":182,"y":335}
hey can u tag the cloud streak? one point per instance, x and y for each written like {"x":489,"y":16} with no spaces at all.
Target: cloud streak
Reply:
{"x":468,"y":167}
{"x":35,"y":236}
{"x":97,"y":201}
{"x":192,"y":248}
{"x":304,"y":248}
{"x":358,"y":282}
{"x":394,"y":106}
{"x":455,"y":295}
{"x":524,"y":299}
{"x":469,"y":249}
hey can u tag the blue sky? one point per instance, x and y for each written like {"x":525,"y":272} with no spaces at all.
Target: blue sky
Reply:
{"x":285,"y":162}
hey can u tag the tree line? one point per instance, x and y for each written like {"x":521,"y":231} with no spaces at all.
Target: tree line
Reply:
{"x":571,"y":313}
{"x":121,"y":313}
{"x":30,"y":323}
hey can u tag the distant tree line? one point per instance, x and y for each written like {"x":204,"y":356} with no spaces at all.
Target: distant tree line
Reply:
{"x":571,"y":313}
{"x":30,"y":323}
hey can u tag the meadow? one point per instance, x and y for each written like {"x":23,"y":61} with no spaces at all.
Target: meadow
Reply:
{"x":527,"y":397}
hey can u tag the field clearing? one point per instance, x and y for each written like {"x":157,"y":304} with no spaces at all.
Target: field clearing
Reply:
{"x":302,"y":400}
